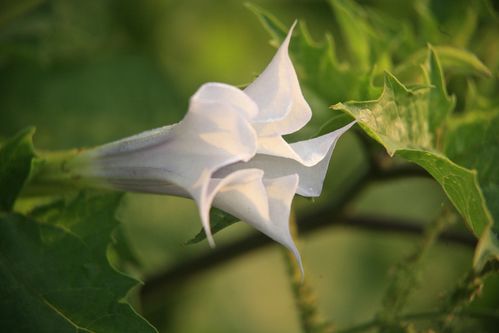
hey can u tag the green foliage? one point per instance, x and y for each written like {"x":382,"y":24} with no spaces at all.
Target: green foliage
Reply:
{"x":453,"y":59}
{"x":407,"y":275}
{"x":464,"y":292}
{"x":473,"y":142}
{"x":416,"y":121}
{"x":55,"y":276}
{"x":54,"y":272}
{"x":16,"y":156}
{"x":57,"y":64}
{"x":410,"y":123}
{"x":121,"y":72}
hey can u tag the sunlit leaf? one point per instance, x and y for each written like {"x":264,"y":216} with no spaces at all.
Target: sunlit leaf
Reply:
{"x":409,"y":123}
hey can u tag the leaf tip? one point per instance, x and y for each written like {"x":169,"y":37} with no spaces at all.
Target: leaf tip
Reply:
{"x":338,"y":106}
{"x":391,"y":82}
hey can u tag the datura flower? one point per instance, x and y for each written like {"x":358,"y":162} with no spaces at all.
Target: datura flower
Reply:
{"x":228,"y":152}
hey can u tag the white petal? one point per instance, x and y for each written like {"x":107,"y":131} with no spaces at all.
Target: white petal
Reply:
{"x":243,"y":199}
{"x":277,"y":93}
{"x":221,"y":92}
{"x":307,"y":153}
{"x":212,"y":134}
{"x":242,"y":194}
{"x":132,"y":143}
{"x":311,"y":178}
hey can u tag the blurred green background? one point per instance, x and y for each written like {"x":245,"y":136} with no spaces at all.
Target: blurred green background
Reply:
{"x":88,"y":72}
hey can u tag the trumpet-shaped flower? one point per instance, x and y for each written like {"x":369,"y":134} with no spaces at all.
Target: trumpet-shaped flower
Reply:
{"x":227,"y":152}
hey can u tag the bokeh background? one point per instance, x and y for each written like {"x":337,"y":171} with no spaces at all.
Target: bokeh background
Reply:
{"x":88,"y":72}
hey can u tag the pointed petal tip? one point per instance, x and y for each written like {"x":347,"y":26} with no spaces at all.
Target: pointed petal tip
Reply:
{"x":204,"y":212}
{"x":348,"y":126}
{"x":293,"y":26}
{"x":286,"y":41}
{"x":283,"y":109}
{"x":299,"y":262}
{"x":211,"y":241}
{"x":209,"y":236}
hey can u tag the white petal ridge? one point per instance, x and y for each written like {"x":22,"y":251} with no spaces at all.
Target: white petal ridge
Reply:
{"x":308,"y":159}
{"x":276,"y":91}
{"x":241,"y":199}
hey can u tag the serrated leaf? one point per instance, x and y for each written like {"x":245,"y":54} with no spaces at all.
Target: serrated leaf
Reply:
{"x":459,"y":183}
{"x":409,"y":123}
{"x":16,"y":156}
{"x":55,"y":276}
{"x":473,"y":142}
{"x":398,"y":119}
{"x":219,"y":221}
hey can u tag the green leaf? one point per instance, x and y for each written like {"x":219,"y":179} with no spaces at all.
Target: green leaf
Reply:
{"x":10,"y":10}
{"x":453,"y":60}
{"x":55,"y":275}
{"x":219,"y":221}
{"x":460,"y":185}
{"x":409,"y":123}
{"x":16,"y":156}
{"x":438,"y":98}
{"x":473,"y":142}
{"x":276,"y":28}
{"x":356,"y":32}
{"x":399,"y":119}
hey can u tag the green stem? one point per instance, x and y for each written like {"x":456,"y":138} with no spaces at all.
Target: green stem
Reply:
{"x":464,"y":293}
{"x":422,"y":316}
{"x":56,"y":172}
{"x":305,"y":299}
{"x":406,"y":278}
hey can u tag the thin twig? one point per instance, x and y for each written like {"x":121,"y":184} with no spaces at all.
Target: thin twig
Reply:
{"x":484,"y":314}
{"x":304,"y":295}
{"x":306,"y":224}
{"x":465,"y":291}
{"x":406,"y":278}
{"x":225,"y":253}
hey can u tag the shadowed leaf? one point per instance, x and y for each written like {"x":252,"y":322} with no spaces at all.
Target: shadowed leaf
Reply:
{"x":16,"y":156}
{"x":55,"y":276}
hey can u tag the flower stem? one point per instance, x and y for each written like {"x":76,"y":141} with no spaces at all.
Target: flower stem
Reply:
{"x":305,"y":299}
{"x":420,"y":316}
{"x":57,"y":172}
{"x":407,"y":274}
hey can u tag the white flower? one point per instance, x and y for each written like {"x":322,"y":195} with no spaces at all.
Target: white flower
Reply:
{"x":227,"y":152}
